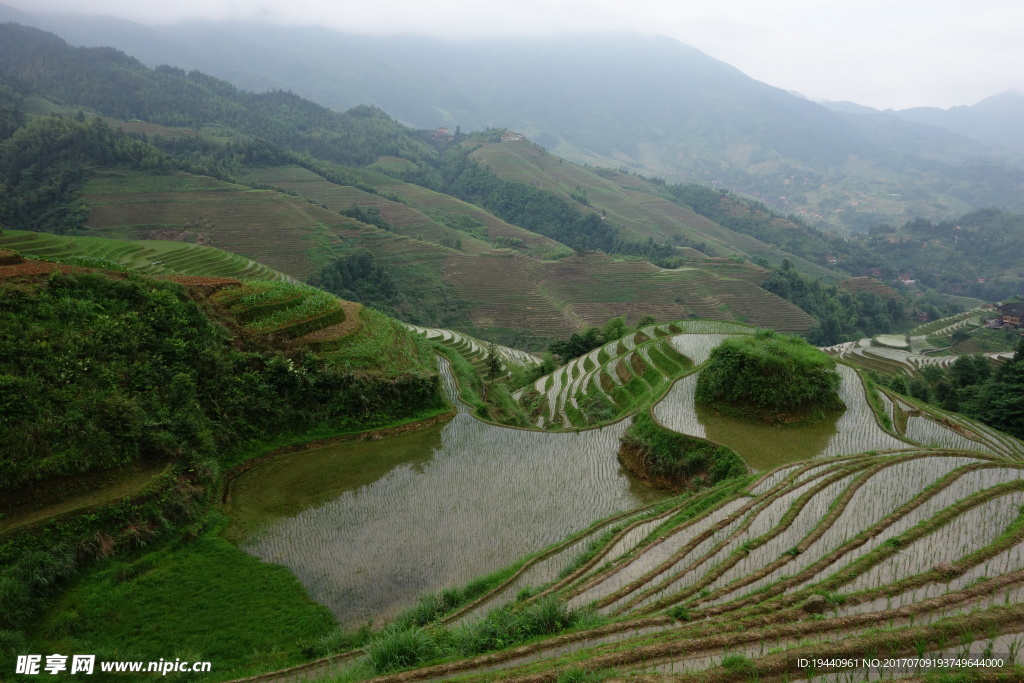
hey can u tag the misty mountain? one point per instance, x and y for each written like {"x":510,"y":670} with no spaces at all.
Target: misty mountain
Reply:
{"x":652,"y":105}
{"x":995,"y":120}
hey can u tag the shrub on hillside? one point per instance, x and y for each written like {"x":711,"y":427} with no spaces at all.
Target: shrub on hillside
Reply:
{"x":770,"y":377}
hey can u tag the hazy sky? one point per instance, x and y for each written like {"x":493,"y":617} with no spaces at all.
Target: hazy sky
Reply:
{"x":891,"y":53}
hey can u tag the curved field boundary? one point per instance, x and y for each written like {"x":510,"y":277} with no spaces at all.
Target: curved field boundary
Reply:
{"x":632,"y":538}
{"x":730,"y":551}
{"x":475,"y":350}
{"x":808,"y":549}
{"x":992,"y":440}
{"x":777,"y":616}
{"x":855,"y":546}
{"x":76,"y":506}
{"x":935,"y":325}
{"x":737,"y":521}
{"x":554,"y":550}
{"x":823,"y":524}
{"x":154,"y":257}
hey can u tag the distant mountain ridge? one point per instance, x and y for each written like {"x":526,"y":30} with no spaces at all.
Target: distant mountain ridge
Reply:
{"x":994,"y":120}
{"x":651,"y":105}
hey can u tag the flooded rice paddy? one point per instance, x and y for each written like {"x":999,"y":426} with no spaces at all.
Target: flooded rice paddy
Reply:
{"x":764,"y":447}
{"x":368,"y":526}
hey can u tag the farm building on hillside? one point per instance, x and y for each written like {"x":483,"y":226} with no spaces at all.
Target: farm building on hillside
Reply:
{"x":512,"y":137}
{"x":1011,"y":314}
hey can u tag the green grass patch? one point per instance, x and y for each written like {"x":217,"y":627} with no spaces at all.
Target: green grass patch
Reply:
{"x":199,"y":600}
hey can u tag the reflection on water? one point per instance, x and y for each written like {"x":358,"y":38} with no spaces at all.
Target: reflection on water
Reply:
{"x":764,"y":446}
{"x":368,"y":526}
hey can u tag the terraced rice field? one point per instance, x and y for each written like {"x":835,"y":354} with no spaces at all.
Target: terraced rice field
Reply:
{"x":154,"y":257}
{"x":654,"y":366}
{"x":270,"y":227}
{"x":887,"y":360}
{"x":864,"y":556}
{"x":632,"y":202}
{"x":629,"y":373}
{"x":597,"y":288}
{"x":876,"y":539}
{"x":284,"y":309}
{"x":476,"y":351}
{"x":411,"y":218}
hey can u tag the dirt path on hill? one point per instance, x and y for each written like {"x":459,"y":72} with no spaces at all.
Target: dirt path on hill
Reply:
{"x":59,"y":496}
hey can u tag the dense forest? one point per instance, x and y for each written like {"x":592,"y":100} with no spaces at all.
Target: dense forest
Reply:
{"x":843,"y":315}
{"x":973,"y":387}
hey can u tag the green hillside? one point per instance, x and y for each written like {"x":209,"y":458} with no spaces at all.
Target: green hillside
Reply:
{"x":634,"y":202}
{"x":303,"y":190}
{"x":503,"y":290}
{"x":154,"y":257}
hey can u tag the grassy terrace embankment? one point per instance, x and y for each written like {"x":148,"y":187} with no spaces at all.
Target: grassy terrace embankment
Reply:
{"x":153,"y":257}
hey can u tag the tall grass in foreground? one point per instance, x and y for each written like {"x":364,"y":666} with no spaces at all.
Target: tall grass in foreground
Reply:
{"x":403,"y":645}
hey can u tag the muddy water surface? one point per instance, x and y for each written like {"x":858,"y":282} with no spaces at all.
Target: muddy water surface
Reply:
{"x":368,"y":526}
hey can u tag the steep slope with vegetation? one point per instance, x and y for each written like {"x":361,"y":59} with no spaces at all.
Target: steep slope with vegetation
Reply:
{"x":443,"y":254}
{"x":701,"y":120}
{"x":143,"y":371}
{"x":118,"y":183}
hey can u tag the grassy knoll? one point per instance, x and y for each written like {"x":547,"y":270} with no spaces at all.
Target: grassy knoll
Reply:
{"x":676,"y":460}
{"x":771,"y":378}
{"x":203,"y":599}
{"x":280,"y":308}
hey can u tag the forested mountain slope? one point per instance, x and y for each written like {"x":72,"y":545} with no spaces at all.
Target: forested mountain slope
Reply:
{"x":699,"y":120}
{"x":217,"y":181}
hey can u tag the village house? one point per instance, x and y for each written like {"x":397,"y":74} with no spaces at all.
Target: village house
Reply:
{"x":512,"y":137}
{"x":1011,"y":315}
